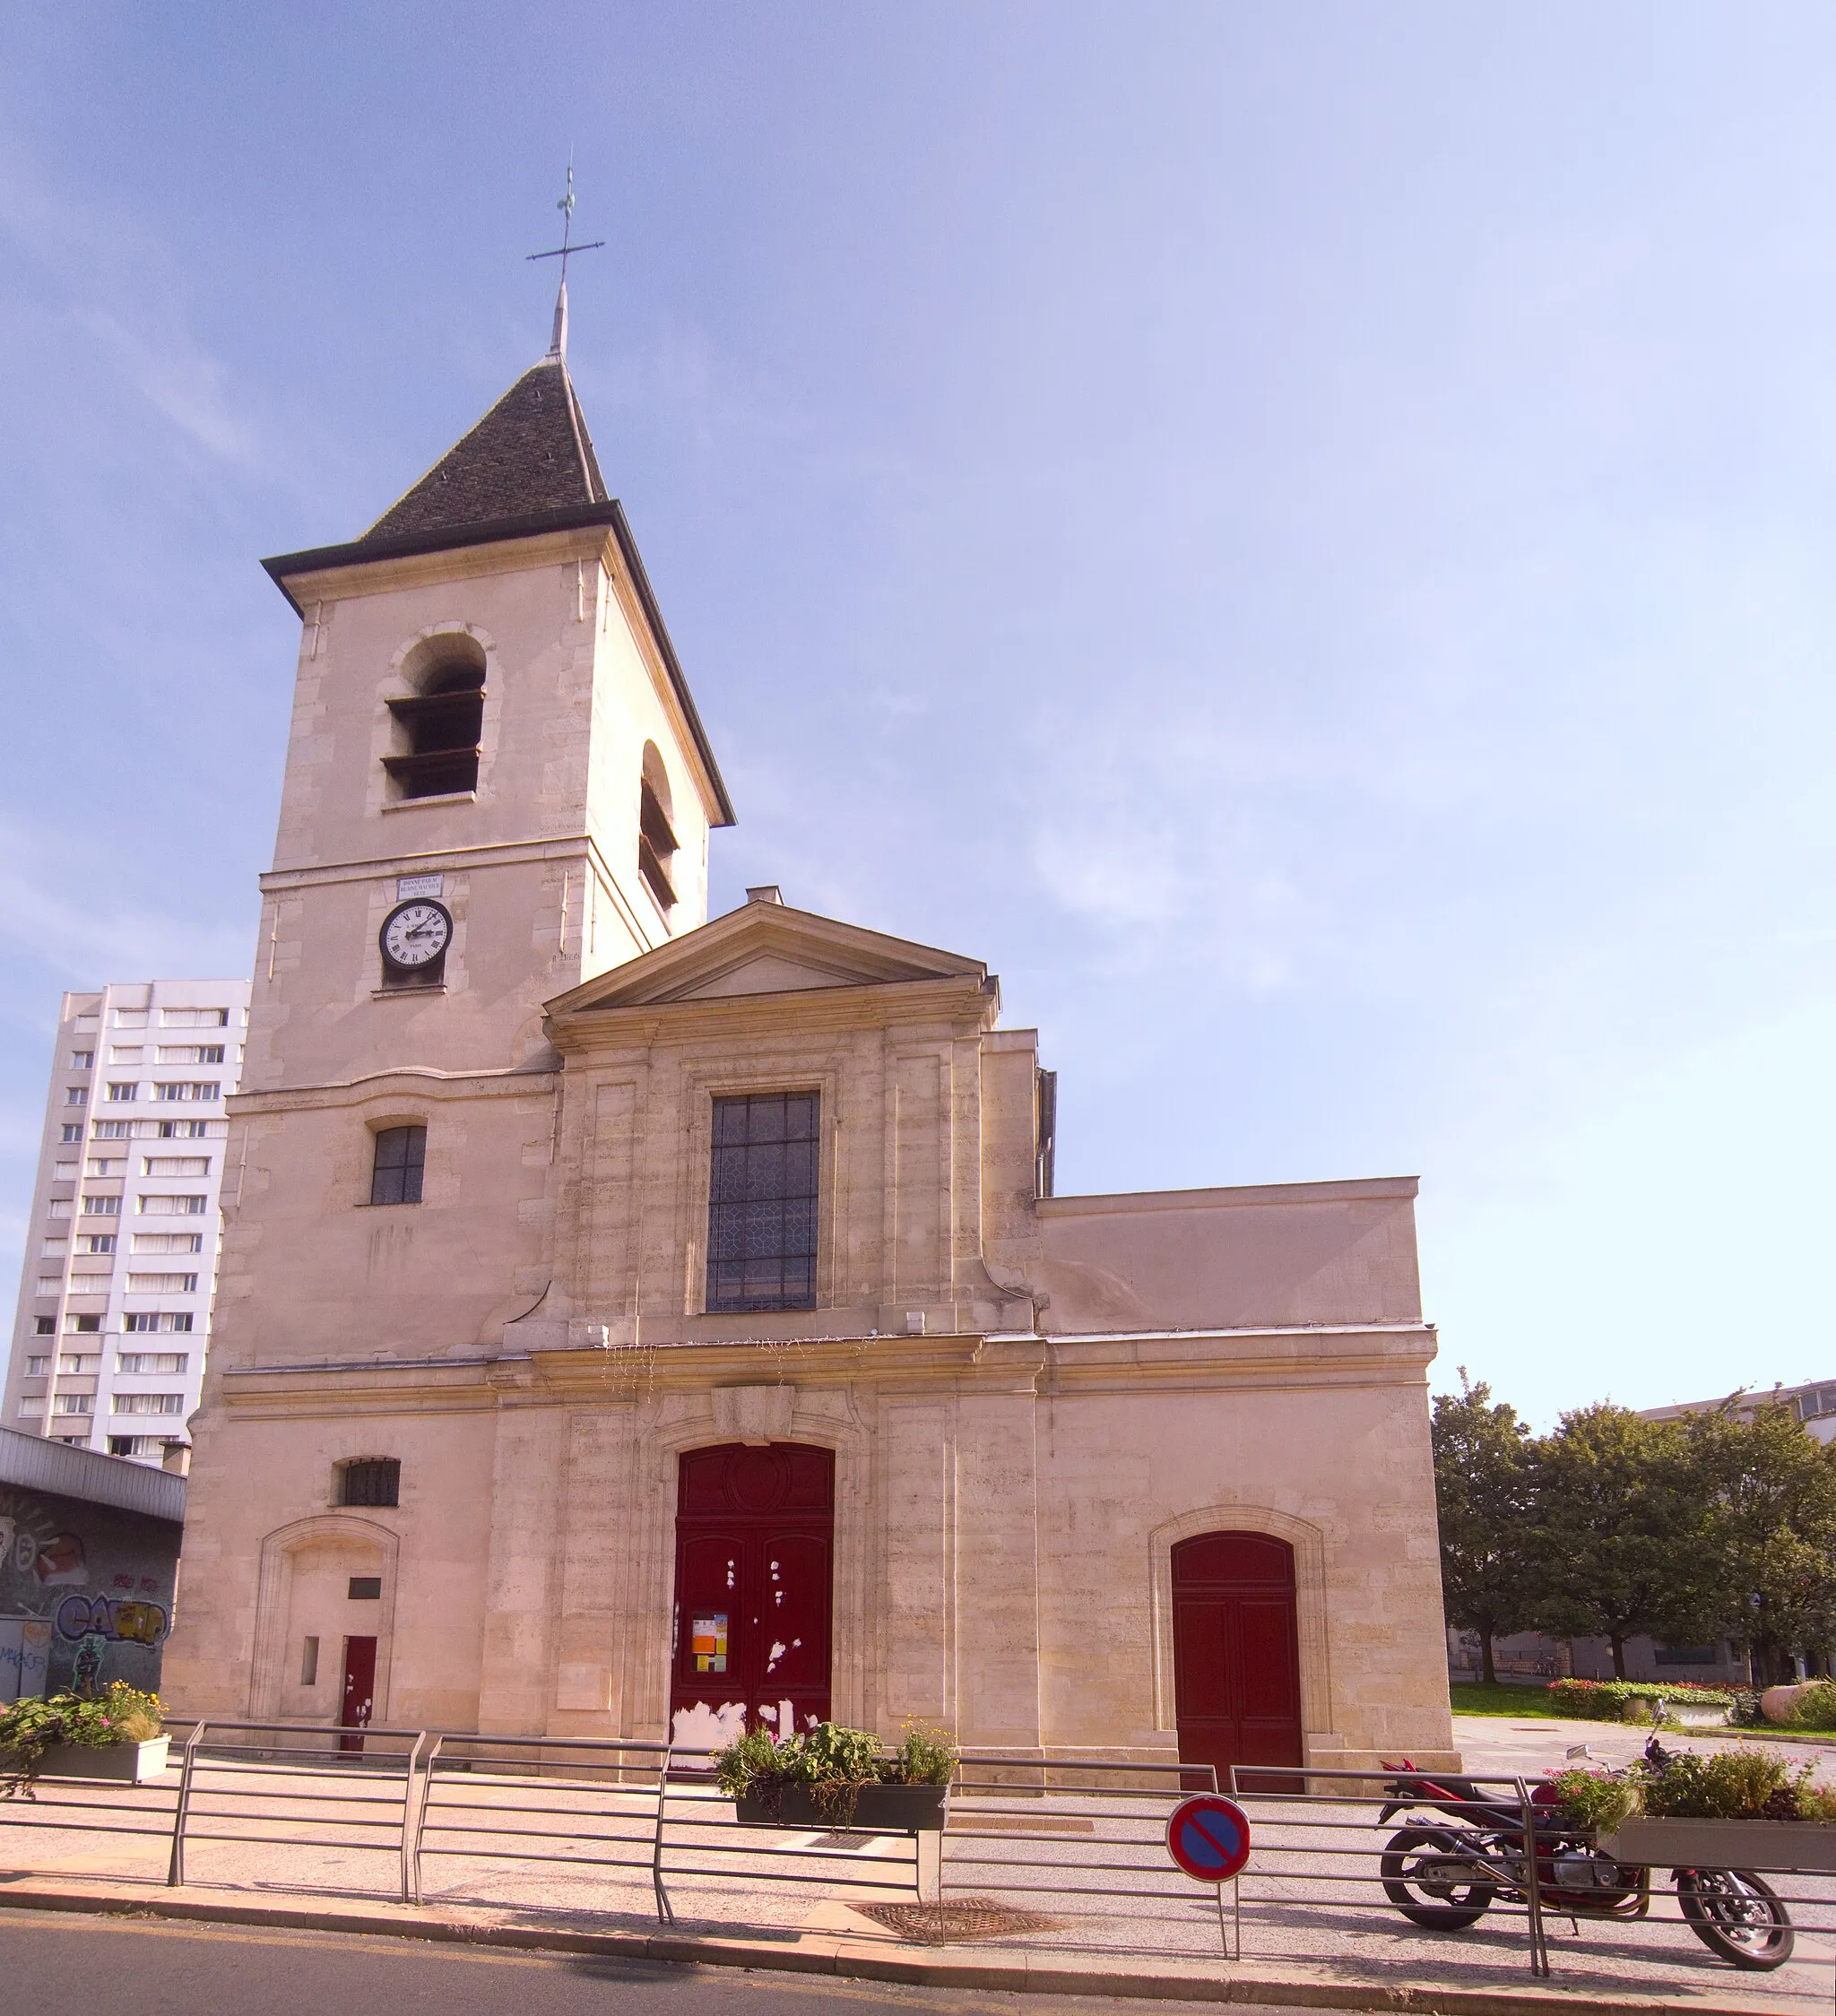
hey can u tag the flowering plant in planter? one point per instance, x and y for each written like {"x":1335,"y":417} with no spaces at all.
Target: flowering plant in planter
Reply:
{"x":1688,"y":1784}
{"x":831,"y":1765}
{"x":29,"y":1728}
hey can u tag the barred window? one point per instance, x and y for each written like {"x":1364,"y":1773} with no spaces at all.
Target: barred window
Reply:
{"x":371,"y":1480}
{"x":400,"y":1156}
{"x":761,"y":1232}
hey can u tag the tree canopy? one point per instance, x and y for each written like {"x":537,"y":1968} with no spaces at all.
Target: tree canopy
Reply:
{"x":1714,"y":1525}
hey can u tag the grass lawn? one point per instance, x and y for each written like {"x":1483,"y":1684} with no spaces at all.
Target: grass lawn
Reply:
{"x":1473,"y":1697}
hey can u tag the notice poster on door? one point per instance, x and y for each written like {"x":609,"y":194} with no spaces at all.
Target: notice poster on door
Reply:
{"x":708,"y":1641}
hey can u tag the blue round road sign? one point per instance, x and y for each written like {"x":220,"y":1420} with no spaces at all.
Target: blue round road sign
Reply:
{"x":1209,"y":1837}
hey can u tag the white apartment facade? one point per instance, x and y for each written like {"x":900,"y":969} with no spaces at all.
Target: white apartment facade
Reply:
{"x":120,"y":1264}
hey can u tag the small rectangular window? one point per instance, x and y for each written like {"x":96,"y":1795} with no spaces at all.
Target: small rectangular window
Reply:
{"x":100,"y":1207}
{"x":182,"y":1206}
{"x":371,"y":1480}
{"x":127,"y":1053}
{"x":123,"y":1093}
{"x":175,"y":1165}
{"x":187,"y":1089}
{"x":81,"y":1326}
{"x":365,"y":1589}
{"x":149,"y":1403}
{"x":309,"y":1664}
{"x":73,"y":1133}
{"x":168,"y":1242}
{"x":146,"y":1322}
{"x":194,"y":1018}
{"x":79,"y":1094}
{"x":44,"y":1326}
{"x":36,"y":1367}
{"x":189,"y":1053}
{"x":163,"y":1283}
{"x":761,"y":1232}
{"x":83,"y":1059}
{"x":77,"y":1364}
{"x":73,"y":1403}
{"x":96,"y":1242}
{"x":113,"y":1130}
{"x":400,"y":1158}
{"x":145,"y":1362}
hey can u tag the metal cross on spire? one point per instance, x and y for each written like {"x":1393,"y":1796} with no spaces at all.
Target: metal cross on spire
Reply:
{"x":565,"y":251}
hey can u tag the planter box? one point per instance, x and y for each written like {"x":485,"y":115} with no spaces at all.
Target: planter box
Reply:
{"x":121,"y":1763}
{"x":909,"y":1808}
{"x":1724,"y":1844}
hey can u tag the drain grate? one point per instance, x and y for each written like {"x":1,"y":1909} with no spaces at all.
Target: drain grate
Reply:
{"x":951,"y":1924}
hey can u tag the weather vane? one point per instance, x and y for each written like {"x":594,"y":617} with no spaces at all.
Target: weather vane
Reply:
{"x":565,"y":251}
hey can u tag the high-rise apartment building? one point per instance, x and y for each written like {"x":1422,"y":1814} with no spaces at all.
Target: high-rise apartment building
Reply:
{"x":121,"y":1255}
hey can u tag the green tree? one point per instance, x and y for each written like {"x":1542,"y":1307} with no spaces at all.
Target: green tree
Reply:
{"x":1481,"y":1487}
{"x":1621,"y":1529}
{"x":1770,"y":1491}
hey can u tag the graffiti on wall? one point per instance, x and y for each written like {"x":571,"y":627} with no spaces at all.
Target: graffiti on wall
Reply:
{"x":100,"y":1579}
{"x":116,"y":1620}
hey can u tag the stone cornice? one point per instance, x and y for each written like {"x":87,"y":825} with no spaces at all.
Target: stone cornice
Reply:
{"x":563,"y":846}
{"x":418,"y":1081}
{"x":1372,"y":1355}
{"x":957,"y":1006}
{"x":1357,"y":1190}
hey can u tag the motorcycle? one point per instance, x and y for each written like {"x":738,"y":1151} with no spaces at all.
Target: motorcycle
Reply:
{"x":1446,"y":1876}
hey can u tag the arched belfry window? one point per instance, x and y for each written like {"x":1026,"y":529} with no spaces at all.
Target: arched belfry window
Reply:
{"x":656,"y":837}
{"x":438,"y":726}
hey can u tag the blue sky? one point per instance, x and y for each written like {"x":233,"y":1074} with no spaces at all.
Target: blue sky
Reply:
{"x":1303,"y":535}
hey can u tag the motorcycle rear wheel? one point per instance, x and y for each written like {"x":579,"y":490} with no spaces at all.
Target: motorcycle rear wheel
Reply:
{"x":1431,"y":1884}
{"x":1737,"y":1916}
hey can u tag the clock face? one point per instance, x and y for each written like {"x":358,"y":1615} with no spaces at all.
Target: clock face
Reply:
{"x":414,"y":933}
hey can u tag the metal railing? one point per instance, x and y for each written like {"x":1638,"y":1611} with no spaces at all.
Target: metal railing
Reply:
{"x":1078,"y":1845}
{"x":1326,"y":1817}
{"x":1127,"y":1818}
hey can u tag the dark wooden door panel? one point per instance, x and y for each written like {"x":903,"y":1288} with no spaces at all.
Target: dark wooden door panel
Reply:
{"x":754,"y":1575}
{"x":1236,"y":1654}
{"x":358,"y":1699}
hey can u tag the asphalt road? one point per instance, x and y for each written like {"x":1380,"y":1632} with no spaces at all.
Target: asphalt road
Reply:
{"x":106,"y":1966}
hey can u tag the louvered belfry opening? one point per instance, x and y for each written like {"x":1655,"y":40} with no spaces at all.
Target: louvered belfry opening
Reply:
{"x":656,"y":847}
{"x":445,"y":722}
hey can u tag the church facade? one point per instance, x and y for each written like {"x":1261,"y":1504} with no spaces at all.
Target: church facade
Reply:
{"x":634,"y":1324}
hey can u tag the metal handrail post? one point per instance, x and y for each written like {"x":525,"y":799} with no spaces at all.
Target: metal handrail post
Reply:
{"x":408,"y":1896}
{"x":174,"y":1867}
{"x":1533,"y":1886}
{"x":666,"y":1913}
{"x":426,"y":1793}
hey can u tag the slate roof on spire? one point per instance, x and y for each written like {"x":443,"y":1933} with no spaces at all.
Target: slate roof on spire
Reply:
{"x":529,"y":456}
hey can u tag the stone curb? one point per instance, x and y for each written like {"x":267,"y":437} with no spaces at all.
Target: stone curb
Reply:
{"x":839,"y":1954}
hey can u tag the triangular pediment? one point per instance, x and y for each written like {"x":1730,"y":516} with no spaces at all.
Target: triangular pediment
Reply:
{"x":765,"y":949}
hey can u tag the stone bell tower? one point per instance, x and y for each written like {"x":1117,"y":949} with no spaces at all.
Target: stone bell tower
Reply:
{"x":497,"y":782}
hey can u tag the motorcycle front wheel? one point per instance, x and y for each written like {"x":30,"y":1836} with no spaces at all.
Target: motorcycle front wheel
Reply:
{"x":1736,"y":1914}
{"x":1431,"y":1883}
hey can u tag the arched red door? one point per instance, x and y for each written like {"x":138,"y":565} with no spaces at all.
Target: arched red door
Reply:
{"x":1236,"y":1654}
{"x":755,"y":1541}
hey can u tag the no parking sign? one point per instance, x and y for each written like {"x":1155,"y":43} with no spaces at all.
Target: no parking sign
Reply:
{"x":1209,"y":1837}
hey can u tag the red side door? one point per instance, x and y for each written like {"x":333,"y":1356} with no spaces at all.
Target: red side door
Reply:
{"x":755,"y":1538}
{"x":1236,"y":1654}
{"x":360,"y":1689}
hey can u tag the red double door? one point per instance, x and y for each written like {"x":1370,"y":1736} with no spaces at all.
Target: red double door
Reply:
{"x":1236,"y":1654}
{"x":755,"y":1542}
